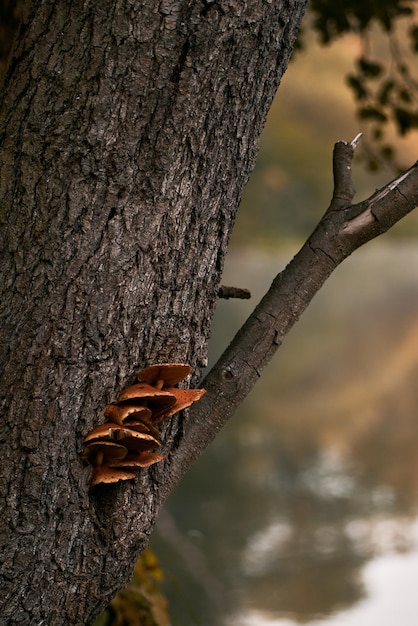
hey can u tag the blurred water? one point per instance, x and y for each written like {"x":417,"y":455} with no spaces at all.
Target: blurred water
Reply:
{"x":304,"y":510}
{"x":389,"y":582}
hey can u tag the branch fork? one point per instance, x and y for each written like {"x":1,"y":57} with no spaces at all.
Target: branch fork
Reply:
{"x":343,"y":228}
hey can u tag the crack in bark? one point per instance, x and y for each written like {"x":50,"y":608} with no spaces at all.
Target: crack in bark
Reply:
{"x":316,"y":249}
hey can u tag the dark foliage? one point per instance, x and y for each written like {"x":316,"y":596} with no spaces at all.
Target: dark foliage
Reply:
{"x":384,"y":85}
{"x":332,"y":19}
{"x":9,"y":21}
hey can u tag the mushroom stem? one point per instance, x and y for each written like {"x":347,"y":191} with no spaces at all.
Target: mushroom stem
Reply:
{"x":159,"y":384}
{"x":99,"y":457}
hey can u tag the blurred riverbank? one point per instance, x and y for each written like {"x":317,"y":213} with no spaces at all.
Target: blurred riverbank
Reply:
{"x":304,"y":508}
{"x":315,"y":477}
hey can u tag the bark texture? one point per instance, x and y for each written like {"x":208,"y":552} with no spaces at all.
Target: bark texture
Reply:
{"x":127,"y":132}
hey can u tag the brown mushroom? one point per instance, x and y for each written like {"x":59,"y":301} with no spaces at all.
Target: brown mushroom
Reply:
{"x":144,"y":394}
{"x":113,"y":432}
{"x":164,"y":374}
{"x":137,"y":441}
{"x":184,"y":398}
{"x":98,"y":452}
{"x":107,"y":475}
{"x":120,"y":412}
{"x":140,"y":459}
{"x":143,"y":427}
{"x":103,"y":431}
{"x":126,"y":441}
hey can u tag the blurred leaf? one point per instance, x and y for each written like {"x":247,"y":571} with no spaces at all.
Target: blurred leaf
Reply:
{"x":404,"y":95}
{"x":405,"y":120}
{"x":369,"y":69}
{"x":383,"y":95}
{"x":413,"y":33}
{"x":403,"y":69}
{"x":358,"y":86}
{"x":387,"y":152}
{"x":377,"y":133}
{"x":9,"y":21}
{"x":372,"y":113}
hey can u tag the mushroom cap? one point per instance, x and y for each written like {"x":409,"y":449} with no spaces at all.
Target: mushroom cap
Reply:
{"x":134,"y":440}
{"x":103,"y":431}
{"x":143,"y":427}
{"x":184,"y":398}
{"x":107,"y":475}
{"x":170,"y":373}
{"x":143,"y":393}
{"x":110,"y":450}
{"x":139,"y":459}
{"x":120,"y":412}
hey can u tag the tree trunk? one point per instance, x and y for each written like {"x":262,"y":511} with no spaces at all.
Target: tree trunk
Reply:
{"x":127,"y":133}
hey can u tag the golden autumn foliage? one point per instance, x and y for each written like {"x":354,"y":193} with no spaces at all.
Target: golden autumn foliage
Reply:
{"x":141,"y":602}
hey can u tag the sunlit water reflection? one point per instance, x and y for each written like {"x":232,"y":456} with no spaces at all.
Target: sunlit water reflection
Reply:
{"x":391,"y":598}
{"x":304,"y":509}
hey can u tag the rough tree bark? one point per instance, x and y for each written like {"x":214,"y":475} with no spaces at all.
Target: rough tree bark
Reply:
{"x":127,"y":132}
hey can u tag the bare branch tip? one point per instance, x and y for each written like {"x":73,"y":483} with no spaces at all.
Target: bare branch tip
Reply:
{"x":356,"y":140}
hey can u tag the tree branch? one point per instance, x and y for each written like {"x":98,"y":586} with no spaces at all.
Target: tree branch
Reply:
{"x":233,"y":292}
{"x":343,"y":229}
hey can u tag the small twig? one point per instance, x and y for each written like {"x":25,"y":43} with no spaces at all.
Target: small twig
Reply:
{"x":233,"y":292}
{"x":390,"y":187}
{"x":356,"y":140}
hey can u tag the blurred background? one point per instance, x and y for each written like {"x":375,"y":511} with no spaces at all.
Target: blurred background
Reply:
{"x":304,"y":509}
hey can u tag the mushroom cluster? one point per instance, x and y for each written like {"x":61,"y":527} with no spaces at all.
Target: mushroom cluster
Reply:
{"x":128,"y":440}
